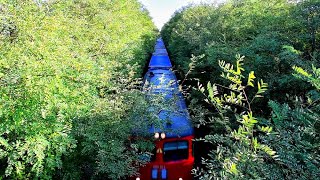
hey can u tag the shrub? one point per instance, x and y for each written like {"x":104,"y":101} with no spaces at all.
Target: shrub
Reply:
{"x":61,"y":68}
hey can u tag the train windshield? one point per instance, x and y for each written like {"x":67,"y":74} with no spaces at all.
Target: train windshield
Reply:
{"x":175,"y":151}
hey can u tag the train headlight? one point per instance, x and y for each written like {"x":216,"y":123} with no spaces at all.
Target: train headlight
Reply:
{"x":163,"y":135}
{"x":137,"y":178}
{"x":156,"y":135}
{"x":180,"y":179}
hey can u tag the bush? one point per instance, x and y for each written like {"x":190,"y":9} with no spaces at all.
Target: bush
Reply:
{"x":62,"y":65}
{"x":283,"y":146}
{"x":272,"y":35}
{"x":275,"y":137}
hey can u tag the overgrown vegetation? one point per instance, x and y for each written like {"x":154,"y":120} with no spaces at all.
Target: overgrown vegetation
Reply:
{"x":286,"y":145}
{"x":68,"y":96}
{"x":274,"y":137}
{"x":272,"y":35}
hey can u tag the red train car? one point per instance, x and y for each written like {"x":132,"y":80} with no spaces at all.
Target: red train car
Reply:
{"x":173,"y":160}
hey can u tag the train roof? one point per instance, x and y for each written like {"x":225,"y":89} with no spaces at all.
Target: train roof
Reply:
{"x":160,"y":62}
{"x":160,"y":52}
{"x":161,"y":80}
{"x":177,"y":124}
{"x":173,"y":98}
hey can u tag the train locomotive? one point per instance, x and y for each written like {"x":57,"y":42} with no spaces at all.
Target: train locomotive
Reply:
{"x":173,"y":157}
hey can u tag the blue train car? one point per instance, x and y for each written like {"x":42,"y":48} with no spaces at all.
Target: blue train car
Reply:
{"x":174,"y":157}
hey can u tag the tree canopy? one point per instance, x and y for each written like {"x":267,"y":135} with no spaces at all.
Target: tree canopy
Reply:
{"x":260,"y":110}
{"x":67,"y":70}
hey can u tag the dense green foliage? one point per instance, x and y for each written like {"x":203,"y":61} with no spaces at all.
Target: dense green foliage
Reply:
{"x":272,"y":35}
{"x":284,"y":146}
{"x":67,"y":71}
{"x":274,"y":137}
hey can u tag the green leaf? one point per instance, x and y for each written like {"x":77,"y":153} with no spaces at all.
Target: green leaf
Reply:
{"x":251,"y":79}
{"x":233,"y":169}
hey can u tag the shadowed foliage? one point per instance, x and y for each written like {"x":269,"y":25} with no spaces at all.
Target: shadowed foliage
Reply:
{"x":275,"y":137}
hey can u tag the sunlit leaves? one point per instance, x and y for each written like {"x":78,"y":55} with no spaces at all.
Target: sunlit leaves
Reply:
{"x":248,"y":120}
{"x":291,"y":49}
{"x":262,"y":88}
{"x":268,"y":150}
{"x":212,"y":90}
{"x":231,"y":73}
{"x":251,"y":79}
{"x":266,"y":129}
{"x":61,"y":61}
{"x":231,"y":167}
{"x":314,"y":78}
{"x":301,"y":71}
{"x":237,"y":94}
{"x":246,"y":146}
